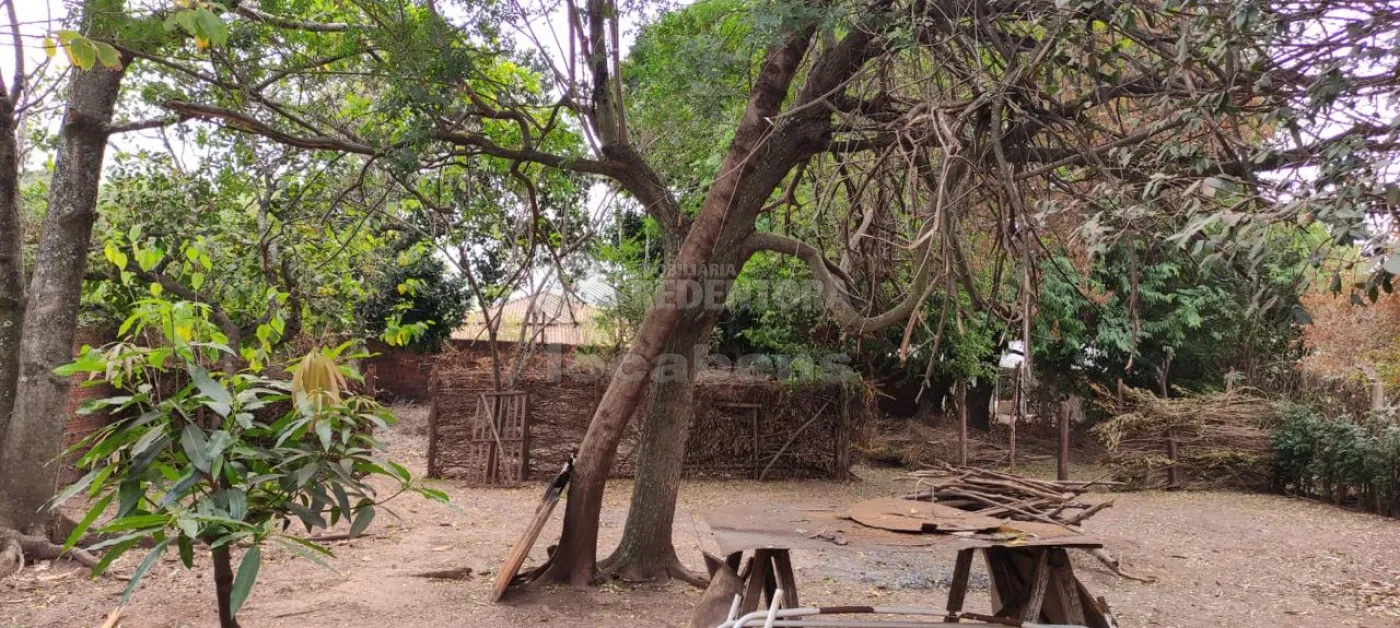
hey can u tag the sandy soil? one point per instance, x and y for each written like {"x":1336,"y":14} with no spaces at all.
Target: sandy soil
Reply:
{"x":1219,"y":559}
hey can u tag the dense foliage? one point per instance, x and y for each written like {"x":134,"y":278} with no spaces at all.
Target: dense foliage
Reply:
{"x":209,"y":460}
{"x":1339,"y":459}
{"x":414,"y":303}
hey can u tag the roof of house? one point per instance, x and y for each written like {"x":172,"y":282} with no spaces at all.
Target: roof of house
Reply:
{"x":548,"y":318}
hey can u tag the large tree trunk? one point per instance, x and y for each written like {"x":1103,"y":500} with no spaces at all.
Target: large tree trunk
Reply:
{"x":11,"y":263}
{"x":646,"y":552}
{"x":747,"y":176}
{"x":28,"y":472}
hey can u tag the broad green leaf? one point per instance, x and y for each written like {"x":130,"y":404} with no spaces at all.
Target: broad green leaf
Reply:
{"x":302,"y":551}
{"x":243,"y":582}
{"x":136,"y":521}
{"x":141,"y":570}
{"x":212,"y":27}
{"x":186,"y":546}
{"x":362,"y":520}
{"x":81,"y":53}
{"x":114,"y":255}
{"x":236,"y":502}
{"x":187,"y":22}
{"x":116,"y":552}
{"x":180,"y":489}
{"x":75,"y":488}
{"x":323,"y":432}
{"x":93,"y":513}
{"x":222,"y":401}
{"x":196,"y":446}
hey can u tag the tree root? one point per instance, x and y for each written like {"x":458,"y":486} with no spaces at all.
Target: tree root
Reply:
{"x":16,"y":549}
{"x":637,"y":572}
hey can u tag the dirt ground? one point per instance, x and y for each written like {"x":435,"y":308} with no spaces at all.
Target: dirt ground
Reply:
{"x":1218,"y":559}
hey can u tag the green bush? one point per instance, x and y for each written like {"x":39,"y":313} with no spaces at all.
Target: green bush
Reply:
{"x":1338,"y":459}
{"x":206,"y":460}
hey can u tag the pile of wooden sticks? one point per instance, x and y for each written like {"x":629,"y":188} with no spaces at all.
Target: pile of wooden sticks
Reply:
{"x":1003,"y":495}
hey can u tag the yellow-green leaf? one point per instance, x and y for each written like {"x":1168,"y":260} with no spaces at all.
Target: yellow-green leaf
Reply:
{"x":50,"y":48}
{"x":81,"y":52}
{"x":110,"y":58}
{"x":115,"y":256}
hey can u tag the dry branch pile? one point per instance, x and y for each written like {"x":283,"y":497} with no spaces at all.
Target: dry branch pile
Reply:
{"x":994,"y":494}
{"x":909,"y":443}
{"x":1221,"y":441}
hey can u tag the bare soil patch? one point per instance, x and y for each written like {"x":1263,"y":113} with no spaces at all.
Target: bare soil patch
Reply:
{"x":1219,"y":559}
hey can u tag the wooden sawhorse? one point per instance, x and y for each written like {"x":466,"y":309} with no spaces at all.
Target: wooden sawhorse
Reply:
{"x":769,"y":569}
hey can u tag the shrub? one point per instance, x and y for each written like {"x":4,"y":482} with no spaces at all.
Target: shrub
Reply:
{"x":1338,"y":459}
{"x":210,"y":460}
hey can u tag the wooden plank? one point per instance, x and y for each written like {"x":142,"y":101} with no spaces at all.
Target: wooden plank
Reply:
{"x":957,"y":589}
{"x":787,"y":581}
{"x":1065,"y":588}
{"x":521,"y":549}
{"x":1040,"y":581}
{"x":759,"y":568}
{"x":1004,"y":589}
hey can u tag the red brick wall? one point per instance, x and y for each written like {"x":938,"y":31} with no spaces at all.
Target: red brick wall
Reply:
{"x":397,"y":374}
{"x":79,"y":426}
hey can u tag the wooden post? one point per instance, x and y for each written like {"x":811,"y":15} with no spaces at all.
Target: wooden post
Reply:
{"x":962,"y":422}
{"x":1062,"y":461}
{"x":1015,"y":415}
{"x":1173,"y":478}
{"x":843,"y":438}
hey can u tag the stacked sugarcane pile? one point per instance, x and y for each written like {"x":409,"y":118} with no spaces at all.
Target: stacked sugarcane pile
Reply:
{"x":1007,"y":496}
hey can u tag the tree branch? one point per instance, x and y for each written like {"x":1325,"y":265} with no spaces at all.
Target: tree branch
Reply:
{"x":142,"y":125}
{"x":850,"y":320}
{"x":282,"y":22}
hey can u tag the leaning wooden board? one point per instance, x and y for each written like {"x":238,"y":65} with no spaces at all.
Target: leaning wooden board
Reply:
{"x":522,"y":547}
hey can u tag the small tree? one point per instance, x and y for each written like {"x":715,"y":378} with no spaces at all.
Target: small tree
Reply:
{"x":415,"y":303}
{"x":210,"y":460}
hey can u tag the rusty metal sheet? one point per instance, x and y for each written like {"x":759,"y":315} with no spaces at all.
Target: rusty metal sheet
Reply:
{"x":809,"y":525}
{"x":902,"y":515}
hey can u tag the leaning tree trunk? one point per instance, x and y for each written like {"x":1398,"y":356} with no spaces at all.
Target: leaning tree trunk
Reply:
{"x":11,"y":263}
{"x":28,"y":474}
{"x":746,"y":179}
{"x":647,"y":552}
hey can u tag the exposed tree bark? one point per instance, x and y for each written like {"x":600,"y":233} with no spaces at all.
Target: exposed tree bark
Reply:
{"x":767,"y":145}
{"x":34,"y":437}
{"x":11,"y":227}
{"x":11,"y":262}
{"x":979,"y":399}
{"x":647,"y":551}
{"x":725,"y":220}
